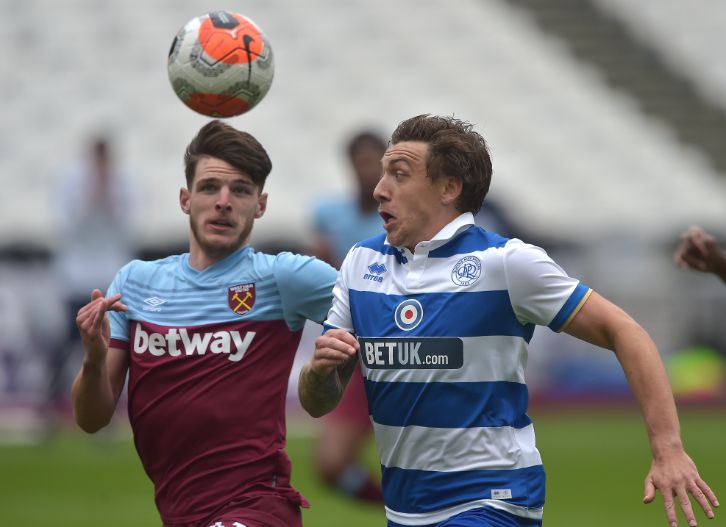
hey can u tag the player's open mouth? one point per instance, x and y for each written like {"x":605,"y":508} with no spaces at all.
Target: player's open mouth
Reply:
{"x":387,"y":219}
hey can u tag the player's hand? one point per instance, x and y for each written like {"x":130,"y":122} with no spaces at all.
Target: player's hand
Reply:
{"x":698,"y":250}
{"x":93,"y":325}
{"x":676,"y":476}
{"x":333,"y":348}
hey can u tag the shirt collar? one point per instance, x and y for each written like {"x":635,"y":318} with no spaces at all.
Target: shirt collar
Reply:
{"x":218,"y":268}
{"x":450,"y":230}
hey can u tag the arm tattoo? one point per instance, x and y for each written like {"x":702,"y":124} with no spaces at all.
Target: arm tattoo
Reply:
{"x":319,"y":394}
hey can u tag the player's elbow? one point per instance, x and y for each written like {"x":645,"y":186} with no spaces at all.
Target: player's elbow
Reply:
{"x":91,"y":426}
{"x":315,"y":407}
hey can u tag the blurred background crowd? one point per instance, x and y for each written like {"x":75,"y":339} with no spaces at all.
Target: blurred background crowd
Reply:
{"x":606,"y":120}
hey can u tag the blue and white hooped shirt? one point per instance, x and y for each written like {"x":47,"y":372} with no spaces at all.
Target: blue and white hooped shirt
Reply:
{"x":443,"y":335}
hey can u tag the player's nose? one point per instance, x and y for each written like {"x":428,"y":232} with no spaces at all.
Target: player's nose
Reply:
{"x":380,"y":193}
{"x":223,"y":200}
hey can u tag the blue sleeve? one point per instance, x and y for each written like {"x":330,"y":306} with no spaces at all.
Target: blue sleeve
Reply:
{"x":571,"y":307}
{"x":306,"y":288}
{"x":118,"y":320}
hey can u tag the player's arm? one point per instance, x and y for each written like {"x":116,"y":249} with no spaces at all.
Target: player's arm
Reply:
{"x":672,"y":471}
{"x":98,"y":385}
{"x":325,"y":376}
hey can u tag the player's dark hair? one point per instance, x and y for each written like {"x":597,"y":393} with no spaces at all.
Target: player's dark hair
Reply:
{"x":239,"y":149}
{"x":365,"y":138}
{"x":454,"y":149}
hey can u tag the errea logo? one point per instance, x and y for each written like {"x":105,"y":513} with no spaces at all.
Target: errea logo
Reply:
{"x":153,"y":303}
{"x":375,"y":272}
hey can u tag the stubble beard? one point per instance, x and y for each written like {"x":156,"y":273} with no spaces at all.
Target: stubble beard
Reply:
{"x":218,"y":251}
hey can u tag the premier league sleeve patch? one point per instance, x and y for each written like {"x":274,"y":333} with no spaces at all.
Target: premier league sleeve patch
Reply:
{"x":241,"y":298}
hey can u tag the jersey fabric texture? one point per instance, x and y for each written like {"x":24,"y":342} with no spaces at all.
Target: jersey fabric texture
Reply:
{"x":210,"y":355}
{"x":443,"y":346}
{"x":343,"y":224}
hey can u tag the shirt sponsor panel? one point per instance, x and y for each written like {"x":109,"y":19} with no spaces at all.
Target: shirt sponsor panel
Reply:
{"x":412,"y":353}
{"x":489,"y":358}
{"x":228,"y":340}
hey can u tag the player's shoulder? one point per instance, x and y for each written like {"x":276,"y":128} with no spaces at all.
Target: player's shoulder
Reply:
{"x":375,"y":243}
{"x":473,"y":239}
{"x":143,"y":267}
{"x":149,"y":271}
{"x":288,"y":266}
{"x":297,"y":273}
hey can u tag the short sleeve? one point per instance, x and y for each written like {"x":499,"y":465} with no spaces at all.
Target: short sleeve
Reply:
{"x":118,"y":320}
{"x":339,"y":315}
{"x":540,"y":291}
{"x":306,"y":288}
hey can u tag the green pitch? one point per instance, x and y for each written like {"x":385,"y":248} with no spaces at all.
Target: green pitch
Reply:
{"x":595,"y":467}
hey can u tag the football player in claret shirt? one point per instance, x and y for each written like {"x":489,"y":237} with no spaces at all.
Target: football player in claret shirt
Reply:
{"x":442,"y":330}
{"x":208,"y":340}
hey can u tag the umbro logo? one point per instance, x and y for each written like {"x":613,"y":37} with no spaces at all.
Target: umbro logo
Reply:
{"x":375,"y":273}
{"x":153,"y":303}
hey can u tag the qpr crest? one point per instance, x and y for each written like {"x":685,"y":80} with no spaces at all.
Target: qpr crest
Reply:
{"x":241,"y":298}
{"x":466,"y":271}
{"x":409,"y":314}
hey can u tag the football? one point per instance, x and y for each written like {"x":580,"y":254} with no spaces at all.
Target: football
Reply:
{"x":221,"y":64}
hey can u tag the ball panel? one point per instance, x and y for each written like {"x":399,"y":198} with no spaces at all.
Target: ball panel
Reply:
{"x":238,"y":45}
{"x":216,"y":104}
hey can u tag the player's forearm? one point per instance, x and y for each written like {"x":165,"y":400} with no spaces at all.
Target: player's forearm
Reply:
{"x":648,"y":381}
{"x":93,"y":399}
{"x":319,"y":392}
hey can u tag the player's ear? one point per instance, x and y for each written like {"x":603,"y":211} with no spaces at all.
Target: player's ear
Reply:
{"x":261,"y":205}
{"x":451,"y":189}
{"x":184,"y":200}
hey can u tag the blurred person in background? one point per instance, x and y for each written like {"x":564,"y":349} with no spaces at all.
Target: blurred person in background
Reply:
{"x":93,"y":234}
{"x":208,"y":339}
{"x":338,"y":224}
{"x":443,"y":343}
{"x":699,"y":250}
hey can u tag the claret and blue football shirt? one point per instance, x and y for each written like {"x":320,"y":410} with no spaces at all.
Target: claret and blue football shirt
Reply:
{"x":210,"y":355}
{"x":443,"y":338}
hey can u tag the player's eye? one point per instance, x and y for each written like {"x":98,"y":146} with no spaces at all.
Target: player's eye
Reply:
{"x":244,"y":190}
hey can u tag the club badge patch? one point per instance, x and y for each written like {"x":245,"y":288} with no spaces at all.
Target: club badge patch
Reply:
{"x":466,"y":271}
{"x":241,"y":298}
{"x":409,"y":314}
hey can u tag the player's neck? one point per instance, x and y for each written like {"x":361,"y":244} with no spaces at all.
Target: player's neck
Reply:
{"x":201,"y":258}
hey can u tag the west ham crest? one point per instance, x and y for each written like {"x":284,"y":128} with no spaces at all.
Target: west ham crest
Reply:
{"x":241,"y":298}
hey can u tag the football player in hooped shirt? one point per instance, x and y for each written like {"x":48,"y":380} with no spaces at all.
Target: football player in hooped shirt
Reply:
{"x":208,"y":340}
{"x":442,"y":340}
